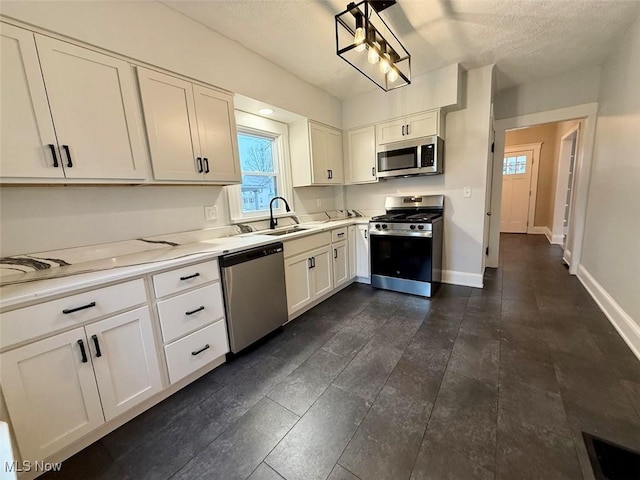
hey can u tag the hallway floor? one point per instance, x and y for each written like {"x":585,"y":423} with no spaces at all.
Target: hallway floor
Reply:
{"x":473,"y":384}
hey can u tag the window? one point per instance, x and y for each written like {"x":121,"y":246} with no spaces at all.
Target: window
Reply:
{"x":514,"y":165}
{"x":262,"y":147}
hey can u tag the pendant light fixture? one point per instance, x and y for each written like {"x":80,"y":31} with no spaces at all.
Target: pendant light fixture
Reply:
{"x":364,"y":40}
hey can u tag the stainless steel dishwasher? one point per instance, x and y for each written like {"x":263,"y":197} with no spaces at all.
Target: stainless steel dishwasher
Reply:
{"x":254,"y":293}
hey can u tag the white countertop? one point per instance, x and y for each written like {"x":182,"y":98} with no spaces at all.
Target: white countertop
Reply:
{"x":41,"y":284}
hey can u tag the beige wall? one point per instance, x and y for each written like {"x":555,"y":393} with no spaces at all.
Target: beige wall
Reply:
{"x":546,"y":169}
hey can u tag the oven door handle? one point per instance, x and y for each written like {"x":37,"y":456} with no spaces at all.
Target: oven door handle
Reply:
{"x":395,"y":233}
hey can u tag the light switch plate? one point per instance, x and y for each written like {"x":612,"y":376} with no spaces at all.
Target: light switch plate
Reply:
{"x":210,"y":213}
{"x":466,"y":192}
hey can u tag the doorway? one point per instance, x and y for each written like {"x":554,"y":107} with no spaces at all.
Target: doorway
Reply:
{"x":519,"y":183}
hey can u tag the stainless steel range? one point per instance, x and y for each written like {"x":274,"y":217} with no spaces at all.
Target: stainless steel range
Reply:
{"x":406,"y":244}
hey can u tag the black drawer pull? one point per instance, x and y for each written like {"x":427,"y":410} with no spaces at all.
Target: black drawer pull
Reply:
{"x":206,"y":165}
{"x":83,"y":351}
{"x":67,"y":311}
{"x":199,"y":161}
{"x":188,"y":277}
{"x":199,"y":309}
{"x":341,"y":234}
{"x":201,"y":350}
{"x":53,"y":154}
{"x":97,"y":345}
{"x":66,"y":149}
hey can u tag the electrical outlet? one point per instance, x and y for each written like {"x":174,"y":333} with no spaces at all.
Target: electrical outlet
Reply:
{"x":466,"y":192}
{"x":210,"y":213}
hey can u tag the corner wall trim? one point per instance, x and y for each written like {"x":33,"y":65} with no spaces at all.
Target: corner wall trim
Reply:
{"x":462,"y":278}
{"x":621,"y":320}
{"x":537,"y":230}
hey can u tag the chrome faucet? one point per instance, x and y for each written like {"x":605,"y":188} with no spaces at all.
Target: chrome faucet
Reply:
{"x":273,"y":222}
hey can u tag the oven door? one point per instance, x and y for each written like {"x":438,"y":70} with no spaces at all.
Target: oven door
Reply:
{"x":397,"y":162}
{"x":401,"y":257}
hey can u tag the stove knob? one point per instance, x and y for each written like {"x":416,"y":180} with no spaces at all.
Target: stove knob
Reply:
{"x":378,"y":226}
{"x":384,"y":226}
{"x":412,"y":227}
{"x":420,"y":227}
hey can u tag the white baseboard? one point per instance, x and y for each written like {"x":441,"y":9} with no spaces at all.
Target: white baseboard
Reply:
{"x":537,"y":230}
{"x":623,"y":323}
{"x":462,"y":278}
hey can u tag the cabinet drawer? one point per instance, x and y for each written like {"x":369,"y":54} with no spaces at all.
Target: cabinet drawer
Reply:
{"x":31,"y":322}
{"x":339,"y":234}
{"x":183,"y":357}
{"x":186,"y":277}
{"x":190,"y":311}
{"x":295,"y":247}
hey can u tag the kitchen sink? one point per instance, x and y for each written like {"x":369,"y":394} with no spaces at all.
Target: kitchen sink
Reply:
{"x":286,"y":231}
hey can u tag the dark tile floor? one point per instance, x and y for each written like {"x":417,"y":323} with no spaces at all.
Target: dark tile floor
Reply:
{"x":472,"y":384}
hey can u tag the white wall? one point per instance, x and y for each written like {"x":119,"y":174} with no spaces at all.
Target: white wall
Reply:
{"x":45,"y":218}
{"x":426,"y":92}
{"x":467,"y":146}
{"x":612,"y":233}
{"x":573,"y":88}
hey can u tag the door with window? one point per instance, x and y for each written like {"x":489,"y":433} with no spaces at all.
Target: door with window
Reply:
{"x":516,"y":191}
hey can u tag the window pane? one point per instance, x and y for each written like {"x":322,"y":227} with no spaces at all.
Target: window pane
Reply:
{"x":521,"y":168}
{"x":511,"y":169}
{"x":257,"y":192}
{"x":256,"y":153}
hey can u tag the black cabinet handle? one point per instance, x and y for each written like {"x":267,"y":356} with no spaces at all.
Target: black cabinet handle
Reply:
{"x":328,"y":174}
{"x":366,"y":234}
{"x":83,"y":351}
{"x":373,"y":171}
{"x":190,"y":276}
{"x":199,"y":309}
{"x":407,"y":129}
{"x":310,"y":262}
{"x":403,"y":130}
{"x":335,"y":253}
{"x":97,"y":345}
{"x":206,"y":165}
{"x":53,"y":154}
{"x":313,"y":262}
{"x":199,"y":162}
{"x":341,"y":234}
{"x":201,"y":350}
{"x":68,"y":152}
{"x":67,"y":311}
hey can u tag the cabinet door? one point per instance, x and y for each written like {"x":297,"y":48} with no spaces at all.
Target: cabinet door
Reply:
{"x":170,"y":121}
{"x":362,"y":251}
{"x":94,"y":108}
{"x":421,"y":125}
{"x":125,"y":360}
{"x":51,"y":394}
{"x":361,"y":151}
{"x":319,"y":164}
{"x":391,"y":131}
{"x":322,"y":271}
{"x":27,"y":128}
{"x":340,"y":263}
{"x":334,"y":156}
{"x":217,"y":134}
{"x":298,"y":281}
{"x":351,"y":238}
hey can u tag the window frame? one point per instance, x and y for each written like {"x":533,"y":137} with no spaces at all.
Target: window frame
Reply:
{"x":249,"y":124}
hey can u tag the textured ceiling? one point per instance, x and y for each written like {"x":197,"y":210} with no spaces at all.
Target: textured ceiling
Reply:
{"x":527,"y":39}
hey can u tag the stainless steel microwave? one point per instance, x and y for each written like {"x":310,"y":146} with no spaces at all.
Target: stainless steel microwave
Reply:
{"x":420,"y":156}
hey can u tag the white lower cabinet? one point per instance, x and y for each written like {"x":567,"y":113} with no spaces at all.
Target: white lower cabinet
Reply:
{"x":351,"y":239}
{"x":308,"y":277}
{"x":56,"y":389}
{"x":362,"y":253}
{"x":340,"y":263}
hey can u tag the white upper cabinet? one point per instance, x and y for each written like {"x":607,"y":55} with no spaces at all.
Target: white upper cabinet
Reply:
{"x":413,"y":126}
{"x":29,"y":146}
{"x":360,"y":150}
{"x":190,"y":128}
{"x":316,"y":154}
{"x":94,"y":107}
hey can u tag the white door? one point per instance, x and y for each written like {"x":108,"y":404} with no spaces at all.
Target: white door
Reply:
{"x":391,"y":131}
{"x":421,"y":125}
{"x":351,"y":236}
{"x":362,"y":251}
{"x":51,"y":393}
{"x":217,"y":134}
{"x":334,"y":156}
{"x":361,"y":155}
{"x":29,"y":147}
{"x":125,"y":360}
{"x":298,"y":281}
{"x":95,"y":111}
{"x":170,"y":120}
{"x":322,"y":271}
{"x":340,"y":263}
{"x":516,"y":191}
{"x":320,"y":168}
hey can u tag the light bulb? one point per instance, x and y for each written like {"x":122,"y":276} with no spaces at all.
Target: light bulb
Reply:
{"x":358,"y":39}
{"x":373,"y":56}
{"x":385,"y":66}
{"x":393,"y":75}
